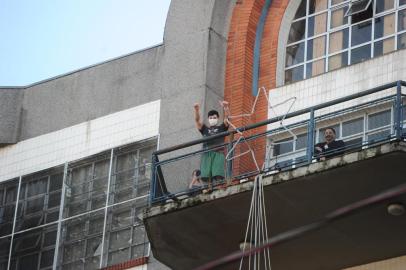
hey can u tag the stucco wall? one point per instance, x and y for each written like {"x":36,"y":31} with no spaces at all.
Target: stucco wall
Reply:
{"x":10,"y":113}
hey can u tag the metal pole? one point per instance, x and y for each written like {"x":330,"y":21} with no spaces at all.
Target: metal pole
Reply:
{"x":398,"y":110}
{"x":153,"y":180}
{"x":14,"y":223}
{"x":106,"y":206}
{"x":310,"y":137}
{"x":229,"y":163}
{"x":58,"y":234}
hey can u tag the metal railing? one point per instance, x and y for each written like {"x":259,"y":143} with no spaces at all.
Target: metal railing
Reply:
{"x":171,"y":175}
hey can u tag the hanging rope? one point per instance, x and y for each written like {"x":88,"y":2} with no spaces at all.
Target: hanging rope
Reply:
{"x":257,"y":230}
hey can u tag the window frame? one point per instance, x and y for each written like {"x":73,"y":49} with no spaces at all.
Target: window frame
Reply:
{"x":305,"y":64}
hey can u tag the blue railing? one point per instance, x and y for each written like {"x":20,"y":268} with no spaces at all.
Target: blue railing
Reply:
{"x":177,"y":166}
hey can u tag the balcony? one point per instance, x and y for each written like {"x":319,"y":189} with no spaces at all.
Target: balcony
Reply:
{"x":187,"y":228}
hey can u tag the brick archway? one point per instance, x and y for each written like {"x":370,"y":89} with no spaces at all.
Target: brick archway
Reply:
{"x":239,"y":65}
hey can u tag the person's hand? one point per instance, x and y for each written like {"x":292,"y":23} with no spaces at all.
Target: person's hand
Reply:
{"x":224,"y":103}
{"x":196,"y":106}
{"x":322,"y":158}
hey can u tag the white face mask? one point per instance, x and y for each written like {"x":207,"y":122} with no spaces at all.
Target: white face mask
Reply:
{"x":213,"y":122}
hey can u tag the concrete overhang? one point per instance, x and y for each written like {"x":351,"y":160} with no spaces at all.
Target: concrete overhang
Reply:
{"x":196,"y":230}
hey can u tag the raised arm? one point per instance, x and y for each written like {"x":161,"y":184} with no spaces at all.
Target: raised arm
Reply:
{"x":226,"y":112}
{"x":198,"y":122}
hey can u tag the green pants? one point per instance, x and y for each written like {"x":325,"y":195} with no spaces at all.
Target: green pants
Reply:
{"x":212,"y":165}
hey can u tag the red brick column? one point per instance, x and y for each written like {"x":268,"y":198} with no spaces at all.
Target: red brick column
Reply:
{"x":239,"y":66}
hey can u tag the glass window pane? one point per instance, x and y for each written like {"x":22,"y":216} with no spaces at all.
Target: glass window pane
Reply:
{"x":353,"y":143}
{"x":37,"y":187}
{"x":283,"y":147}
{"x":338,"y":18}
{"x":360,"y":54}
{"x":361,"y":11}
{"x":93,"y":247}
{"x":379,"y":136}
{"x":335,"y":2}
{"x":317,"y":5}
{"x":127,"y":161}
{"x":384,"y":25}
{"x":29,"y":246}
{"x":35,"y":205}
{"x":317,"y":24}
{"x":11,"y":193}
{"x":81,"y":241}
{"x":101,"y":168}
{"x":56,"y":182}
{"x":295,"y":54}
{"x":382,"y":5}
{"x":73,"y":252}
{"x":338,"y":41}
{"x":81,"y":175}
{"x":315,"y":68}
{"x":402,"y":41}
{"x":301,"y":11}
{"x":297,"y":31}
{"x":361,"y":33}
{"x":338,"y":61}
{"x":121,"y":217}
{"x":118,"y":256}
{"x":402,"y":2}
{"x":379,"y":119}
{"x":50,"y":237}
{"x":27,"y":262}
{"x":402,"y":20}
{"x":4,"y":251}
{"x":359,"y":6}
{"x":47,"y":258}
{"x":353,"y":127}
{"x":120,"y":239}
{"x":8,"y":191}
{"x":316,"y":47}
{"x":294,"y":74}
{"x":384,"y":46}
{"x":54,"y":199}
{"x":301,"y":141}
{"x":139,"y":235}
{"x":146,"y":153}
{"x":138,"y":251}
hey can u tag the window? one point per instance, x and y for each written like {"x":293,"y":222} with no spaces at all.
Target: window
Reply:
{"x":358,"y":6}
{"x":39,"y":200}
{"x":87,"y":216}
{"x":8,"y":197}
{"x":357,"y":132}
{"x":34,"y":249}
{"x":329,"y":34}
{"x":288,"y":152}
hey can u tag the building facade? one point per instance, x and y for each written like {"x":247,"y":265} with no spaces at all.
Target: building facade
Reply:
{"x":75,"y":150}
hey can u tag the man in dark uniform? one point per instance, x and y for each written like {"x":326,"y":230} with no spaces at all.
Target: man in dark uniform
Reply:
{"x":212,"y":162}
{"x":331,"y":147}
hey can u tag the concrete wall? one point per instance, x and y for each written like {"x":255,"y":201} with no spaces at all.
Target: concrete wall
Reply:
{"x":10,"y":114}
{"x":91,"y":93}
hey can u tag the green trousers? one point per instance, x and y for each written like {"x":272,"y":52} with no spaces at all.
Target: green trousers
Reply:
{"x":212,"y":165}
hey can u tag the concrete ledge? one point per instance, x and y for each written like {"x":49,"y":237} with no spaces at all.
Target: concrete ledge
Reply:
{"x":278,"y":178}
